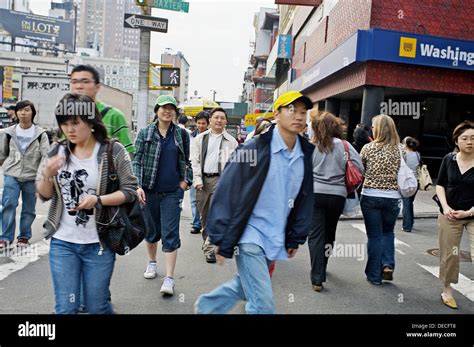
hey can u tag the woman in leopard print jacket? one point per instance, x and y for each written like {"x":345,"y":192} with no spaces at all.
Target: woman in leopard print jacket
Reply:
{"x":380,"y":200}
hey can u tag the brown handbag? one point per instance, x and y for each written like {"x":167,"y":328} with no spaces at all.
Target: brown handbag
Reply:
{"x":353,"y":176}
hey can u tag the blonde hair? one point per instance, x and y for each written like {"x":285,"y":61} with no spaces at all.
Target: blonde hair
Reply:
{"x":384,"y":130}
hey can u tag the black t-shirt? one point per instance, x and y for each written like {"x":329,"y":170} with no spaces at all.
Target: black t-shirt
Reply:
{"x":459,"y":188}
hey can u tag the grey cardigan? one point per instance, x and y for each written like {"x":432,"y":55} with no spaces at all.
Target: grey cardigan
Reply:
{"x":329,"y":169}
{"x":123,"y":165}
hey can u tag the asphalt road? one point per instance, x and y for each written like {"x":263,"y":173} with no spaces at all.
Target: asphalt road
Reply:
{"x":25,"y":281}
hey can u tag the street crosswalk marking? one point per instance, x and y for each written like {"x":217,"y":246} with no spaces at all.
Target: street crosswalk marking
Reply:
{"x":361,"y":227}
{"x":465,"y":286}
{"x":23,"y":259}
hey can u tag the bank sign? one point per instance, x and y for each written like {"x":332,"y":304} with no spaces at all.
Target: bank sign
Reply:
{"x":393,"y":46}
{"x":36,"y":28}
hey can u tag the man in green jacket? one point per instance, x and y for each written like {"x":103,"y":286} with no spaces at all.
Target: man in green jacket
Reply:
{"x":85,"y":80}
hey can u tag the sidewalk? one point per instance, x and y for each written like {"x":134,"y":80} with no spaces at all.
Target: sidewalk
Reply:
{"x":425,"y":207}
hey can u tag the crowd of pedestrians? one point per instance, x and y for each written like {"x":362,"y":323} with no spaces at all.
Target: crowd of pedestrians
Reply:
{"x":259,"y":210}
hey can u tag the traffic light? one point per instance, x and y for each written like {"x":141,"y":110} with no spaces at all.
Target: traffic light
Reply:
{"x":141,"y":2}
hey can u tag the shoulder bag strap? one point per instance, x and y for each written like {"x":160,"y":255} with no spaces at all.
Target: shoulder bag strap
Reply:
{"x":112,"y":182}
{"x":347,"y":156}
{"x":420,"y":161}
{"x":105,"y":110}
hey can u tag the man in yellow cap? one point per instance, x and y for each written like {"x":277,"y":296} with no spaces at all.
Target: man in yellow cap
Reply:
{"x":260,"y":209}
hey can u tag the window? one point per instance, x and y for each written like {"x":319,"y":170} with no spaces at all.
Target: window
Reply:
{"x":114,"y":82}
{"x":107,"y":70}
{"x":121,"y":70}
{"x":127,"y":83}
{"x":107,"y":81}
{"x":120,"y":83}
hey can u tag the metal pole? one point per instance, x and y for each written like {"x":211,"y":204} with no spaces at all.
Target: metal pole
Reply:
{"x":142,"y":116}
{"x":75,"y":28}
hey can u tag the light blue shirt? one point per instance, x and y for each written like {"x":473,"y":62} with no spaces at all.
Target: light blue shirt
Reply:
{"x":267,"y":223}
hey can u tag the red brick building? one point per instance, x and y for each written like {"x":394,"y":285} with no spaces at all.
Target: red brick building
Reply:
{"x":357,"y":58}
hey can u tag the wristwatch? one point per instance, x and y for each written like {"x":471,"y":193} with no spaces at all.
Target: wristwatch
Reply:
{"x":99,"y":202}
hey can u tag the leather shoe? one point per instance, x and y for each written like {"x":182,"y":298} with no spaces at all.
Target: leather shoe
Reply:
{"x":387,"y":274}
{"x":318,"y":287}
{"x":195,"y":231}
{"x":450,"y":302}
{"x":210,"y":258}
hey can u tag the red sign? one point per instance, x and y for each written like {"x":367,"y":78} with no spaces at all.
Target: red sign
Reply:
{"x":299,"y":2}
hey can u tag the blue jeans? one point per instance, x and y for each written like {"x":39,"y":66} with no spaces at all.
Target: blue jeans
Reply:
{"x":252,"y":283}
{"x":11,"y":193}
{"x":196,"y":217}
{"x":380,"y":216}
{"x":72,"y":263}
{"x":408,"y":213}
{"x":162,"y":214}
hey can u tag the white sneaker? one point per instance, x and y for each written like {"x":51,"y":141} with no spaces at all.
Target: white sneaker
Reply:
{"x":168,"y":286}
{"x":150,"y":272}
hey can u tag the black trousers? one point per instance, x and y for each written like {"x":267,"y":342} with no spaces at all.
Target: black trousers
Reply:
{"x":326,"y":212}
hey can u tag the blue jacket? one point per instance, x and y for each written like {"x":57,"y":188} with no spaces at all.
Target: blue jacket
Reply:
{"x":239,"y":188}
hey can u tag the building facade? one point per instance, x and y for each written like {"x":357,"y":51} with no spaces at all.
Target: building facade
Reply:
{"x":100,"y":26}
{"x":411,"y":60}
{"x":266,"y":30}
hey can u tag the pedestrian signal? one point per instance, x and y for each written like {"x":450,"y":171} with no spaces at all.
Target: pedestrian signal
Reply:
{"x":170,"y":77}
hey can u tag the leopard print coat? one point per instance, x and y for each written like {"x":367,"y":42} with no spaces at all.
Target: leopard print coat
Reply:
{"x":381,"y":162}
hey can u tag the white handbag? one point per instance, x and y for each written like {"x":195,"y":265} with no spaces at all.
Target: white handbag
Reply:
{"x":407,"y":182}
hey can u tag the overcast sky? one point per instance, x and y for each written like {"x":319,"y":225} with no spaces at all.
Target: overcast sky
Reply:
{"x":214,"y":37}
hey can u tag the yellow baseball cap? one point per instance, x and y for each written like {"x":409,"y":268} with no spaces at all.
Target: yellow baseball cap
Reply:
{"x":291,"y":96}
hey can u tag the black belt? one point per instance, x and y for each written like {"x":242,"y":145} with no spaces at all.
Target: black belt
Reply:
{"x":211,"y":175}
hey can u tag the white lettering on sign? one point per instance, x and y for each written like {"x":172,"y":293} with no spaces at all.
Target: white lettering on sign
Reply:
{"x":447,"y":53}
{"x":159,"y":25}
{"x":135,"y":22}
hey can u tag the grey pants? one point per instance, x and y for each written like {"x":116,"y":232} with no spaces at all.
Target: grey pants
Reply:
{"x":203,"y":199}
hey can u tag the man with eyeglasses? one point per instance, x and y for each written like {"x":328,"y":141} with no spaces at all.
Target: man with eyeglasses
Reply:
{"x":85,"y":80}
{"x":210,"y":151}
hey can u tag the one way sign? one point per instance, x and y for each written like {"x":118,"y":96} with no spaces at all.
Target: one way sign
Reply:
{"x":136,"y":21}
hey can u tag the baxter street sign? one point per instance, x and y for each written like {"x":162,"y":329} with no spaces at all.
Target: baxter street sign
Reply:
{"x":145,"y":22}
{"x":173,"y":5}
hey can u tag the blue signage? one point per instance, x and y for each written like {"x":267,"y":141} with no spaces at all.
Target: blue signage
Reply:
{"x":390,"y":46}
{"x":407,"y":48}
{"x":284,"y":46}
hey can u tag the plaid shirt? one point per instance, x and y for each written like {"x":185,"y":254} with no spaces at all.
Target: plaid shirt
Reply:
{"x":147,"y":156}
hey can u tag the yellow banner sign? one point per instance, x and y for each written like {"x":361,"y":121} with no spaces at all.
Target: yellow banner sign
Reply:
{"x":8,"y":82}
{"x":251,"y":118}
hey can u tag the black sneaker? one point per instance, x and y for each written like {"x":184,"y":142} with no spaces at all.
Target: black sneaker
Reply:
{"x":388,"y":274}
{"x":210,"y":258}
